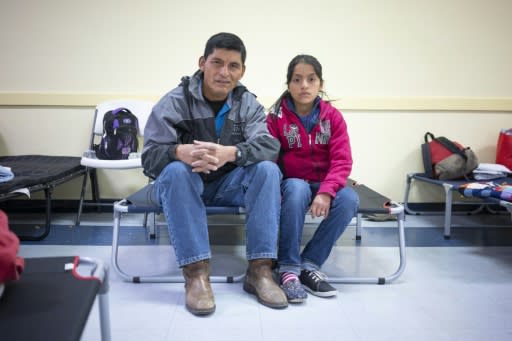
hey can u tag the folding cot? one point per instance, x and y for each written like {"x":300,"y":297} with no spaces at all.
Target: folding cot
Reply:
{"x":34,"y":173}
{"x":449,"y":187}
{"x":53,"y":298}
{"x":144,"y":201}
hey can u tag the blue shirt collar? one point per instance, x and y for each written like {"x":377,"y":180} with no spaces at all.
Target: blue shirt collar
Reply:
{"x":314,"y":110}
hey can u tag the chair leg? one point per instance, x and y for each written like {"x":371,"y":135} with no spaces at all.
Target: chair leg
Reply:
{"x":145,"y":223}
{"x":95,"y":189}
{"x":359,"y":218}
{"x":152,"y":224}
{"x":146,"y":214}
{"x":82,"y":196}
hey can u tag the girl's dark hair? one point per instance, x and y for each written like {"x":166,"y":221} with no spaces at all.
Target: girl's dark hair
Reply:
{"x":300,"y":59}
{"x":304,"y":59}
{"x":228,"y":41}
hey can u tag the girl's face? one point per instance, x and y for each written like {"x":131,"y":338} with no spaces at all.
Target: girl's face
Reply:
{"x":304,"y":85}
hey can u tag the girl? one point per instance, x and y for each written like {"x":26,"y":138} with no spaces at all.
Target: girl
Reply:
{"x":316,"y":160}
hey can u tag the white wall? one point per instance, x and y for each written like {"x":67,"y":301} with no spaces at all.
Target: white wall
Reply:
{"x":368,"y":48}
{"x":397,"y":68}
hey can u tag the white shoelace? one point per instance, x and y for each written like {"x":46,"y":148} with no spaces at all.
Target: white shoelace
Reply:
{"x":318,"y":275}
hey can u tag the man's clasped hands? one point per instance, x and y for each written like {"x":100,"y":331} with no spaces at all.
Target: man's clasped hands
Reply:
{"x":205,"y":157}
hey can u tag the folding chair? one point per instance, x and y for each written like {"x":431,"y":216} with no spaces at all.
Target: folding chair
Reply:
{"x":145,"y":201}
{"x":141,"y":109}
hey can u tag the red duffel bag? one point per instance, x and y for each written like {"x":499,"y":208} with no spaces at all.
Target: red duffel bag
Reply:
{"x":504,"y":148}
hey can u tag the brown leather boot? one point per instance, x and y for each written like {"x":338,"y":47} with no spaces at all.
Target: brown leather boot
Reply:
{"x":198,"y":291}
{"x":259,"y":281}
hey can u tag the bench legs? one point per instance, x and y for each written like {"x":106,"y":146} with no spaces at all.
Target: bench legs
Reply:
{"x":448,"y":203}
{"x":120,"y":208}
{"x":398,"y":211}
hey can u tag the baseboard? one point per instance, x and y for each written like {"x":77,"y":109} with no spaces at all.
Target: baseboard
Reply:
{"x":58,"y":206}
{"x":439,"y":207}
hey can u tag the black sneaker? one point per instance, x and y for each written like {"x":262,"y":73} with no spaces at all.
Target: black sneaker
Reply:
{"x":315,"y":282}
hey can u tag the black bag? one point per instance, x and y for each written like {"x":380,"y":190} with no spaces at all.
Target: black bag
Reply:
{"x":444,"y":159}
{"x":120,"y":131}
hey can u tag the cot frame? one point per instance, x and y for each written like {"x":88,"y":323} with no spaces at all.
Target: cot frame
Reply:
{"x":366,"y":196}
{"x":28,"y":320}
{"x":46,"y":186}
{"x":450,"y":186}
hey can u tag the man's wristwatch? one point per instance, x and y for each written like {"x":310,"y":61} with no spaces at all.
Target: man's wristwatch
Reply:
{"x":238,"y":155}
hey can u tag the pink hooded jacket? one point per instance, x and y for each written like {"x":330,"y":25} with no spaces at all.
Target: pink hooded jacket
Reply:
{"x":324,"y":155}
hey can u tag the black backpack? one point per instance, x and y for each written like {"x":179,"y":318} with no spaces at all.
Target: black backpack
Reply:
{"x":120,"y":130}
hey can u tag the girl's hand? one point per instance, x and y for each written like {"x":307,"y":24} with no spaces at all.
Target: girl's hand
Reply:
{"x":320,"y":205}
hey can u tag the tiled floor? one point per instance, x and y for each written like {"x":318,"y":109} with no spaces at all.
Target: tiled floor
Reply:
{"x":458,"y":289}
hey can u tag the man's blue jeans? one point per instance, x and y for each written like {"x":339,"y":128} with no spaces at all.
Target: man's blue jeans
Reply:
{"x":183,"y":196}
{"x":297,"y":197}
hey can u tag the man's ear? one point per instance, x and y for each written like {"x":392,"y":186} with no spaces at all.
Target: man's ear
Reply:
{"x":243,"y":71}
{"x":201,"y":63}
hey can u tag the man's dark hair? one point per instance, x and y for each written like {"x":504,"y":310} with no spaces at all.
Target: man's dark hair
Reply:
{"x":227,"y":41}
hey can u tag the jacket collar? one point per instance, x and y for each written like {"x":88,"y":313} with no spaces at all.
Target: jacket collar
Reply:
{"x":196,"y":82}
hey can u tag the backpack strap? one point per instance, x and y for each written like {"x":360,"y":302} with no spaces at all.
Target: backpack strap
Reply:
{"x":427,"y":135}
{"x":451,"y":147}
{"x":427,"y":160}
{"x":118,"y":110}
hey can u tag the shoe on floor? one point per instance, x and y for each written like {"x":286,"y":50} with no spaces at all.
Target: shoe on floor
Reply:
{"x":199,"y":298}
{"x":292,"y":288}
{"x":260,"y":282}
{"x":315,"y":282}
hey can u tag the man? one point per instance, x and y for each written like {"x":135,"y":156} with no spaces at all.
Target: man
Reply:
{"x":206,"y":143}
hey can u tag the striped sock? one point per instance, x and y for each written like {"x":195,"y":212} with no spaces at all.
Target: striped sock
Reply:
{"x":288,"y":276}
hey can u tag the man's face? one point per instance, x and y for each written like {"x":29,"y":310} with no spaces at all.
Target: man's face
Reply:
{"x":222,"y":70}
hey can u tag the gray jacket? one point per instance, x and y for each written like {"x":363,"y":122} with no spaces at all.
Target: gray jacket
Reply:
{"x":180,"y":119}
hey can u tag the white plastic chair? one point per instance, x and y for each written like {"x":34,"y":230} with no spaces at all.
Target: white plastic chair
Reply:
{"x":141,"y":109}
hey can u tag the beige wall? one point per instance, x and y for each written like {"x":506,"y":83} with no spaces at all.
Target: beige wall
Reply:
{"x":396,"y":68}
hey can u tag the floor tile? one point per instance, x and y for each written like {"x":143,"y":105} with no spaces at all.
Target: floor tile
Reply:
{"x":456,"y":289}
